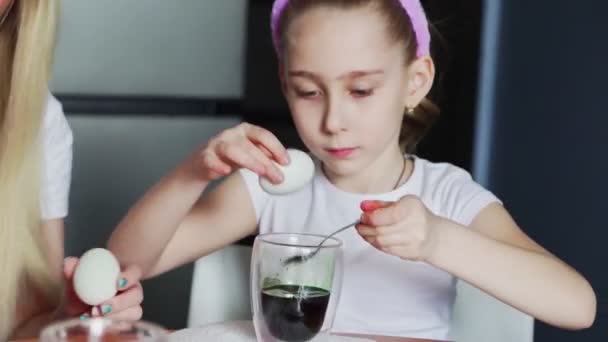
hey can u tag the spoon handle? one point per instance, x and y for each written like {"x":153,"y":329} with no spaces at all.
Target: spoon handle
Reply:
{"x":303,"y":258}
{"x":339,"y":231}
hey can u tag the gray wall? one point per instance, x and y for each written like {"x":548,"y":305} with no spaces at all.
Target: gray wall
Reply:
{"x":177,"y":48}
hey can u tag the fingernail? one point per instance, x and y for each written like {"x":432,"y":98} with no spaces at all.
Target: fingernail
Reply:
{"x":106,"y":309}
{"x":370,"y":205}
{"x":84,"y":317}
{"x":122,"y":283}
{"x":365,"y":205}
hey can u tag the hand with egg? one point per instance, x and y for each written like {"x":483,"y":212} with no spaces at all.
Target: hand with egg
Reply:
{"x":126,"y":305}
{"x":405,"y":228}
{"x":243,"y":146}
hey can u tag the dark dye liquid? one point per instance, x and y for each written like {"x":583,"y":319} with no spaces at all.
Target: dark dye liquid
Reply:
{"x":294,"y":313}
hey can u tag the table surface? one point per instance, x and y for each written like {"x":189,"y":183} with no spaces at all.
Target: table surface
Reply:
{"x":375,"y":338}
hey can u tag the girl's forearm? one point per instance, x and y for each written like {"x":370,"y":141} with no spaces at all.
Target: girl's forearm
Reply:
{"x":535,"y":283}
{"x":143,"y":234}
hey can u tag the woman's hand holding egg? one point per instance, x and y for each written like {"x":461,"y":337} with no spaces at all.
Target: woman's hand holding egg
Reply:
{"x":96,"y":287}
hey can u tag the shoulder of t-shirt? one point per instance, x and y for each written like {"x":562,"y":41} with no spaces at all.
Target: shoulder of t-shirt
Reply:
{"x":55,"y":123}
{"x":453,"y":191}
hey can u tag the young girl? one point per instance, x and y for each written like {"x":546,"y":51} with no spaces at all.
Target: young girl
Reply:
{"x":35,"y":170}
{"x":355,"y":74}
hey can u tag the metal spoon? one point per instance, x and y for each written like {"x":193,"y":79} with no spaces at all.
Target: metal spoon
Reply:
{"x":300,"y":258}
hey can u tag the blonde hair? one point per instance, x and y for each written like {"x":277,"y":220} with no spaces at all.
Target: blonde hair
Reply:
{"x":416,"y":122}
{"x":26,"y":47}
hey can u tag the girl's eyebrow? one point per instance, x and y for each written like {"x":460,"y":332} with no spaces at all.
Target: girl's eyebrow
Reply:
{"x":351,"y":74}
{"x":361,"y":73}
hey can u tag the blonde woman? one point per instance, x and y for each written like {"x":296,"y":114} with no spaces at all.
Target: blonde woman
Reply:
{"x":35,"y":169}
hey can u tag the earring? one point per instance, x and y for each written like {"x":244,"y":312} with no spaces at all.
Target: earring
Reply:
{"x":410,"y":111}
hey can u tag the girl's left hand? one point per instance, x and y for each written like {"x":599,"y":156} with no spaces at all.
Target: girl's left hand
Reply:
{"x":405,"y":228}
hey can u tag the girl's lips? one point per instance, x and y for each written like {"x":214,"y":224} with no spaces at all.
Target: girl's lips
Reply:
{"x":341,"y":152}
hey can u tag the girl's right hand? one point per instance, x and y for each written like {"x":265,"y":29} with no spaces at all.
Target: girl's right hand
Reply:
{"x":244,"y":146}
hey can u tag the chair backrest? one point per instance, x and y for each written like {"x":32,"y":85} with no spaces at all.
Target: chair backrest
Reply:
{"x":220,"y":287}
{"x":478,"y":317}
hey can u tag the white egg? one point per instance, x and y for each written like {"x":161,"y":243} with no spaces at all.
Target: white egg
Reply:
{"x":96,"y":276}
{"x":296,"y":174}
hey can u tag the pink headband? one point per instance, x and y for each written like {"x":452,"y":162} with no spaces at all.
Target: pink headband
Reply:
{"x":413,"y":8}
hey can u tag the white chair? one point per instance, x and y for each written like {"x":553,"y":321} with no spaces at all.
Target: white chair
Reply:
{"x":479,"y":317}
{"x":220,"y":287}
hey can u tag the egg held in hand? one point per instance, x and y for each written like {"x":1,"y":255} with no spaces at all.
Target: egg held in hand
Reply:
{"x":96,"y":276}
{"x":297,"y":174}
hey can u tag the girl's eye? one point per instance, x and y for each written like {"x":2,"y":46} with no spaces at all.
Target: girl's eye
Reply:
{"x":361,"y":92}
{"x":307,"y":94}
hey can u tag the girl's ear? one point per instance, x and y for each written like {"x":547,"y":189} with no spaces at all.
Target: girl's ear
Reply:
{"x":421,"y":74}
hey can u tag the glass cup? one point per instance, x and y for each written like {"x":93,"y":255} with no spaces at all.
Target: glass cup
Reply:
{"x":294,"y":302}
{"x":103,"y":330}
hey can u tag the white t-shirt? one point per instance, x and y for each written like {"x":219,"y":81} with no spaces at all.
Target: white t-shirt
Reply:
{"x":381,"y":294}
{"x":57,"y":161}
